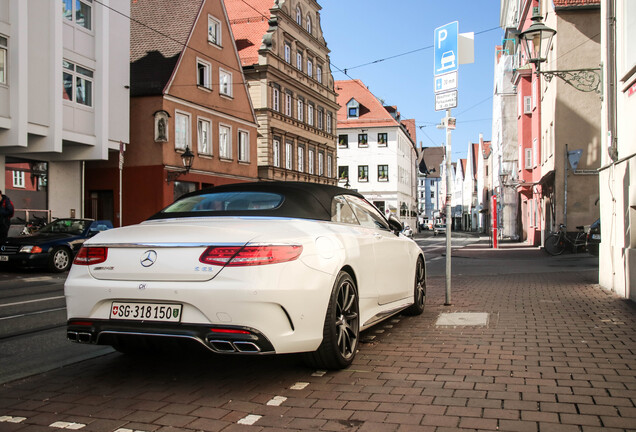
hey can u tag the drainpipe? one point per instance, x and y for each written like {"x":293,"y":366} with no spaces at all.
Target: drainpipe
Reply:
{"x":612,"y":146}
{"x":565,"y":191}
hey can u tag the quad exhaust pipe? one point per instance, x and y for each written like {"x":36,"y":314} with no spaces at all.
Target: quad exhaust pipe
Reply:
{"x":80,"y":337}
{"x":224,"y":346}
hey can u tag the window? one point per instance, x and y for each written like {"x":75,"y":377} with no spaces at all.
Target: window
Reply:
{"x":319,"y":74}
{"x":527,"y":104}
{"x":276,"y":98}
{"x":383,"y":173}
{"x":204,"y":73}
{"x":301,"y":159}
{"x":276,"y":152}
{"x":79,"y":11}
{"x":329,"y":166}
{"x":310,"y":68}
{"x":203,"y":132}
{"x":321,"y":115}
{"x":181,"y":130}
{"x":289,"y":154}
{"x":329,"y":126}
{"x":225,"y":142}
{"x":308,"y":23}
{"x":321,"y":163}
{"x":310,"y":114}
{"x":353,"y":109}
{"x":288,"y":104}
{"x":343,"y":173}
{"x":367,"y":215}
{"x":299,"y":60}
{"x":78,"y":84}
{"x":383,"y":139}
{"x":311,"y":161}
{"x":528,"y":161}
{"x":363,"y":173}
{"x":214,"y":30}
{"x":301,"y":110}
{"x":18,"y":179}
{"x":243,"y":146}
{"x":341,"y":211}
{"x":299,"y":16}
{"x":287,"y":52}
{"x":3,"y":59}
{"x":343,"y":141}
{"x":225,"y":83}
{"x":363,"y":140}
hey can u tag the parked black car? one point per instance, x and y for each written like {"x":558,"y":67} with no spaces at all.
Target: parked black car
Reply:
{"x":53,"y":247}
{"x":594,"y":237}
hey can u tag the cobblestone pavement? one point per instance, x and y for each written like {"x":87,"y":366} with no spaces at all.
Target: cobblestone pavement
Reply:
{"x":557,"y":353}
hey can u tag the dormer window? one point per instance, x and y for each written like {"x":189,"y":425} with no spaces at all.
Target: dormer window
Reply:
{"x":353,"y":109}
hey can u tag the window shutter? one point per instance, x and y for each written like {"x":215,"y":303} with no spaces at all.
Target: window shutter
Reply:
{"x":528,"y":164}
{"x":527,"y":104}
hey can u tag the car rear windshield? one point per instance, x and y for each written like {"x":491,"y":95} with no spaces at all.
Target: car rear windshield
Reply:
{"x":226,"y":202}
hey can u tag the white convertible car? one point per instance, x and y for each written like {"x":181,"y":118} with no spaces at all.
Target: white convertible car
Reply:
{"x":251,"y":268}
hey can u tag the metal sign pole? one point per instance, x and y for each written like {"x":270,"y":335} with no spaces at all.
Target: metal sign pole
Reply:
{"x":449,"y":218}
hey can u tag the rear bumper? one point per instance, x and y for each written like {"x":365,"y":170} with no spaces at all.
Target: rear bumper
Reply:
{"x":220,"y":339}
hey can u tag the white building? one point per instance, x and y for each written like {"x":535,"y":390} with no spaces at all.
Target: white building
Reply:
{"x":376,"y":151}
{"x":617,"y":175}
{"x":64,"y":77}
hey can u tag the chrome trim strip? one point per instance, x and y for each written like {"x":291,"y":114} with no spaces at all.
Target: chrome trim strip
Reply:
{"x":161,"y":245}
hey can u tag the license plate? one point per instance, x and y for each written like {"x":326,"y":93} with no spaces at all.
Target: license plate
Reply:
{"x":596,"y":236}
{"x":4,"y":258}
{"x":146,"y":311}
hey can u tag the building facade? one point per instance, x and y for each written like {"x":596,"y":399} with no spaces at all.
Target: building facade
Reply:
{"x":617,"y":175}
{"x":285,"y":59}
{"x":188,"y":93}
{"x":555,"y":121}
{"x":64,"y":97}
{"x":429,"y":183}
{"x":377,"y":152}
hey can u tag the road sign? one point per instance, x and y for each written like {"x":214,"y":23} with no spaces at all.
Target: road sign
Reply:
{"x":446,"y":82}
{"x":445,"y":49}
{"x":446,"y":100}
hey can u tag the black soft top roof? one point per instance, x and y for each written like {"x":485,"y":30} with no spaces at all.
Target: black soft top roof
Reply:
{"x":301,"y":200}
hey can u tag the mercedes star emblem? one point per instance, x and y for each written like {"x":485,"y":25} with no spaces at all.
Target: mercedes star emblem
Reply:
{"x":148,"y":258}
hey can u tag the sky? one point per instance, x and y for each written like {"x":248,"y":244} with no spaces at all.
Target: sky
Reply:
{"x":400,"y":34}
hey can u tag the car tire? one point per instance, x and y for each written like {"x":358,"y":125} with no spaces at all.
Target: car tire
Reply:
{"x":60,"y":260}
{"x":419,"y":290}
{"x":341,"y":331}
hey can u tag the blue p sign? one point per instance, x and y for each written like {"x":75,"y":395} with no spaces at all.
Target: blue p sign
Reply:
{"x":445,"y":50}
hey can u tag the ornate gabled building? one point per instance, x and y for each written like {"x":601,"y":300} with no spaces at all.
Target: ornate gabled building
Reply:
{"x":286,"y":63}
{"x":188,"y":93}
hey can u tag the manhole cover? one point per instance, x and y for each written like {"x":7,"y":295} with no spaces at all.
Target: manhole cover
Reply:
{"x":463,"y":319}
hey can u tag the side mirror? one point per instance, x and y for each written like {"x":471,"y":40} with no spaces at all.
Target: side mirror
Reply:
{"x":395,"y":224}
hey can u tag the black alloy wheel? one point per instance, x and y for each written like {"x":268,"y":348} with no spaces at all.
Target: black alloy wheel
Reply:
{"x":419,"y":291}
{"x":60,"y":259}
{"x":341,"y":331}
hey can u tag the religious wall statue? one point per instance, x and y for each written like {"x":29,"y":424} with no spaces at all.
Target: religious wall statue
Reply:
{"x":161,"y":126}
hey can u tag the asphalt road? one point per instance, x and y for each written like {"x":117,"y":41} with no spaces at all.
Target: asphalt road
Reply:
{"x":33,"y":326}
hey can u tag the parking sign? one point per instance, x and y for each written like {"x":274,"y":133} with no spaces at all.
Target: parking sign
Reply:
{"x":446,"y":55}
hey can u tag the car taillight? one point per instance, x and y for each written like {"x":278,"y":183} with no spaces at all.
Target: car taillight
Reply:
{"x":235,"y":256}
{"x":91,"y":255}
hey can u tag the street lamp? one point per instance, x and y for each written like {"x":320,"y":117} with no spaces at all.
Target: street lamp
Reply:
{"x":187,"y":158}
{"x":537,"y":40}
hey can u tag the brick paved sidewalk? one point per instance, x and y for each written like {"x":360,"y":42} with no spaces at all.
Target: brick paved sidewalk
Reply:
{"x":557,"y":354}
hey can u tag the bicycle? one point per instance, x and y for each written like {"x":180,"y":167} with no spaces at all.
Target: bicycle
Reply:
{"x":556,"y":242}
